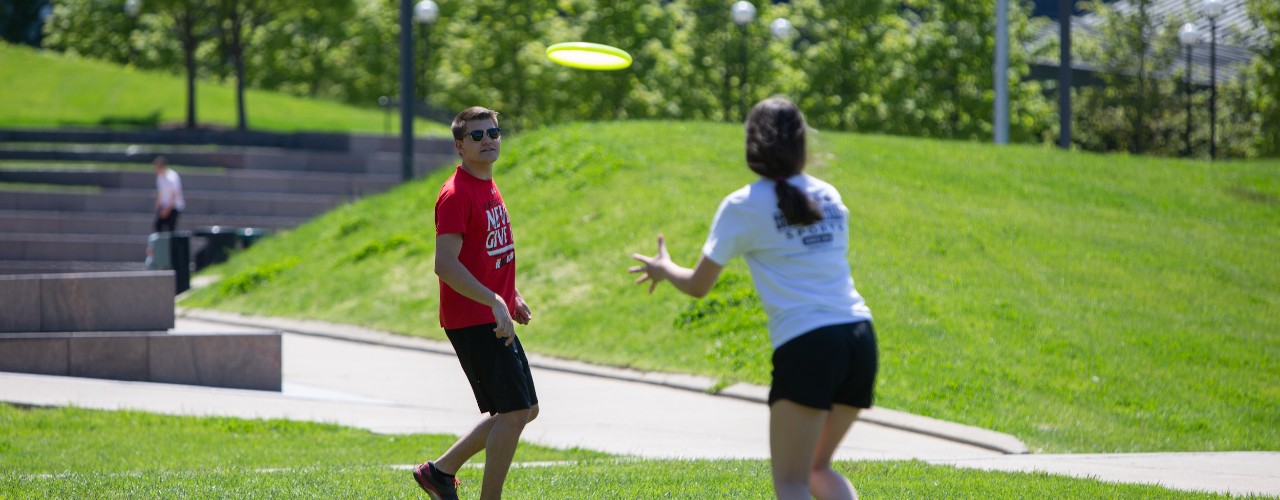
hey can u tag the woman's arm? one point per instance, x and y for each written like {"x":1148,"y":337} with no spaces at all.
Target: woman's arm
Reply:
{"x":696,"y":282}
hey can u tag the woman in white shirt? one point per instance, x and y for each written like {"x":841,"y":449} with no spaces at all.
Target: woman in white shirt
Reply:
{"x":792,"y":229}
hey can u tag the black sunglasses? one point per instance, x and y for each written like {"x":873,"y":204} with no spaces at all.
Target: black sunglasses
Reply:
{"x":477,"y":135}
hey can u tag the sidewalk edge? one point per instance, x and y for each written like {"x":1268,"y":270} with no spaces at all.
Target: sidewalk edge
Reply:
{"x":942,"y":429}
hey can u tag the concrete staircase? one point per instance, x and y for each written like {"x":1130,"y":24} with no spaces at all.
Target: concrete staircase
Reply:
{"x":76,"y":214}
{"x":114,"y":325}
{"x":82,"y":200}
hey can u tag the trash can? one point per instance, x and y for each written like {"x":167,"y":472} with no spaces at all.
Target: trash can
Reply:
{"x":219,"y":242}
{"x":180,"y":258}
{"x":250,"y":235}
{"x":171,"y":251}
{"x":158,"y":252}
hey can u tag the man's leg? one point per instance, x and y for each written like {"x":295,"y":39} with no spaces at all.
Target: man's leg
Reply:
{"x":466,"y":447}
{"x":501,"y":449}
{"x":499,"y":435}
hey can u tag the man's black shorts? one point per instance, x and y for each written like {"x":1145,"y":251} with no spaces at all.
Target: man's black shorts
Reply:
{"x":830,"y":365}
{"x":499,"y":374}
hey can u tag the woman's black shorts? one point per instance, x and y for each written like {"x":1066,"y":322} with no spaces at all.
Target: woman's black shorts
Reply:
{"x":830,"y":365}
{"x":499,"y":374}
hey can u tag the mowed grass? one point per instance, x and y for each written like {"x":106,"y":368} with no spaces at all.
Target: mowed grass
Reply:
{"x":77,"y":453}
{"x":45,"y":89}
{"x":1084,"y":303}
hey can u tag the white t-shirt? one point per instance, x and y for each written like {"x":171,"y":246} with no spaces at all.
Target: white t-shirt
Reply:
{"x":166,"y":186}
{"x":801,"y":272}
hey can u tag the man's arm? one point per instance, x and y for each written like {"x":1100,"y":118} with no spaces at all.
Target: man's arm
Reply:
{"x":454,"y":274}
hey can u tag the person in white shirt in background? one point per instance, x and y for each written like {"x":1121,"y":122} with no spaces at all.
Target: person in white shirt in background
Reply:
{"x":793,"y":231}
{"x":169,"y":200}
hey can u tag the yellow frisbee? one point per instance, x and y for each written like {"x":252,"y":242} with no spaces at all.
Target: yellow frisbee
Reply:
{"x":585,"y":55}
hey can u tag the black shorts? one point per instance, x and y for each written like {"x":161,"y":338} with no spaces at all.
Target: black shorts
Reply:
{"x":499,"y":374}
{"x":830,"y":365}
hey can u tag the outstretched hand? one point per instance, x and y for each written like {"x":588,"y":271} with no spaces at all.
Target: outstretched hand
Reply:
{"x":654,"y":269}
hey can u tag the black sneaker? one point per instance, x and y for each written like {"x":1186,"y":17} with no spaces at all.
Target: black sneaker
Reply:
{"x":436,"y":489}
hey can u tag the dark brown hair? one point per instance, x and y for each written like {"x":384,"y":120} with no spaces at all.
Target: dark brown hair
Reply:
{"x":472,"y":113}
{"x":776,"y":151}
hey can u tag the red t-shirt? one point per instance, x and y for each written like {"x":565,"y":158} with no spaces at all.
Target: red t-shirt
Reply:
{"x":474,"y":208}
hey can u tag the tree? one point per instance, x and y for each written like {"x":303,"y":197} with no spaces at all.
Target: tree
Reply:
{"x":1137,"y":109}
{"x":1264,"y":76}
{"x":20,"y":21}
{"x":190,"y":29}
{"x":239,"y":21}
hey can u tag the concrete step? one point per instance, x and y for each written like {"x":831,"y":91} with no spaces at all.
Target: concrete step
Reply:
{"x":199,"y":202}
{"x":40,"y":221}
{"x":316,"y":141}
{"x":119,"y":301}
{"x":244,"y":181}
{"x":233,"y":360}
{"x":10,"y":267}
{"x":378,"y":163}
{"x":72,"y":247}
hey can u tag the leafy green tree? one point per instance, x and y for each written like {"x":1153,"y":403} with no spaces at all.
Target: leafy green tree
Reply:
{"x":94,"y":29}
{"x":1264,"y":77}
{"x":843,"y":53}
{"x":241,"y":31}
{"x":298,"y":49}
{"x":1137,"y":109}
{"x":190,"y":29}
{"x":951,"y":53}
{"x":19,"y":21}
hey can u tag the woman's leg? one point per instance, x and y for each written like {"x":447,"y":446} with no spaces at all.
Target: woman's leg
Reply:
{"x":794,"y":430}
{"x":825,"y":482}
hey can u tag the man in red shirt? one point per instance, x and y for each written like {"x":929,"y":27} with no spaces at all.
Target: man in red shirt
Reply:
{"x":476,"y":263}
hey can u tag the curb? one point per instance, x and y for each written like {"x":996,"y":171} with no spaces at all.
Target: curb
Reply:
{"x":942,"y":429}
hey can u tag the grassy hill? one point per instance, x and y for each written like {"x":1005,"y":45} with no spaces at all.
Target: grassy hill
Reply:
{"x":48,"y":89}
{"x":1084,"y":303}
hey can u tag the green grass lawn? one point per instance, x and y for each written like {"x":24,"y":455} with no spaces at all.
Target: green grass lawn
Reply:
{"x":1083,"y":303}
{"x":77,"y":453}
{"x":47,"y":89}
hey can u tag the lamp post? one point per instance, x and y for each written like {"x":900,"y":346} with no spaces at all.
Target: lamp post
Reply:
{"x":1001,"y":119}
{"x":132,"y":8}
{"x":425,"y":13}
{"x":743,"y":12}
{"x":781,"y":28}
{"x":1188,"y":37}
{"x":406,"y":90}
{"x":1213,"y":9}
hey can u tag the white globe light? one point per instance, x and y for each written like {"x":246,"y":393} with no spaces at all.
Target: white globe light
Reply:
{"x":743,"y":12}
{"x":426,"y":11}
{"x":1214,"y":8}
{"x":781,"y":28}
{"x":1188,"y":35}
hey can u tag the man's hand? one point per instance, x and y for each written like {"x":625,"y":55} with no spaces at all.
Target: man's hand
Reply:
{"x":505,"y":329}
{"x":522,"y":314}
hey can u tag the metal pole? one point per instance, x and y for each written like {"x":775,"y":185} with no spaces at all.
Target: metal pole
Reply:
{"x":1001,"y":121}
{"x":1187,"y":135}
{"x":1213,"y":88}
{"x":742,"y":87}
{"x":406,"y":89}
{"x":1065,"y":8}
{"x":426,"y":60}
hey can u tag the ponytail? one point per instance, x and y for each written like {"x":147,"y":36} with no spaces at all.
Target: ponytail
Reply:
{"x":797,"y":207}
{"x":776,"y":150}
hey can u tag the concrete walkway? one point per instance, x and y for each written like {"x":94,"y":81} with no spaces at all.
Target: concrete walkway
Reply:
{"x":374,"y":380}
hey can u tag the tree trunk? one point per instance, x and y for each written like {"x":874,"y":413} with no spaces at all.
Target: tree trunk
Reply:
{"x":237,"y":53}
{"x":189,"y":56}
